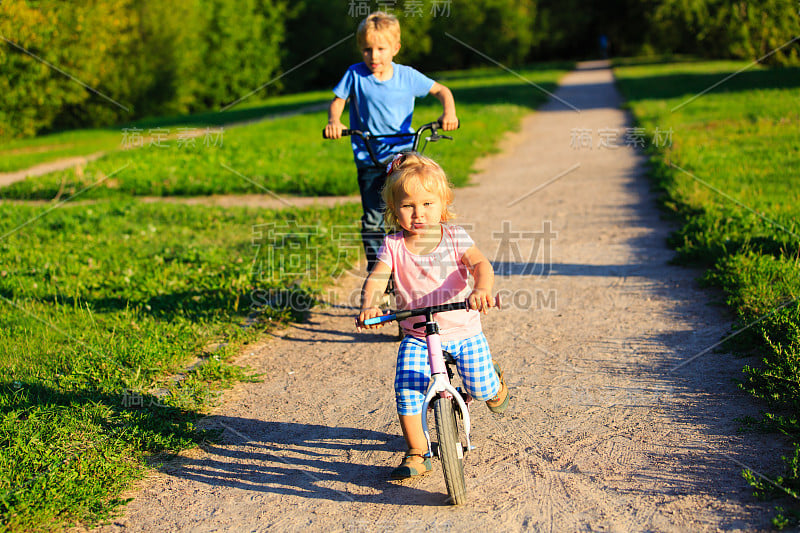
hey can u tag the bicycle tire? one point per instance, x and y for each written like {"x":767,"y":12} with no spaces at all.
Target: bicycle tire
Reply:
{"x":451,"y":453}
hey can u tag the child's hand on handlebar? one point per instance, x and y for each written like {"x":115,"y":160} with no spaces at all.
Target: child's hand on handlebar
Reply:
{"x":449,"y":122}
{"x":369,"y":312}
{"x":481,"y":300}
{"x":333,"y":130}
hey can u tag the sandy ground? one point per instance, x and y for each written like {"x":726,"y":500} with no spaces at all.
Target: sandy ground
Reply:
{"x":616,"y":423}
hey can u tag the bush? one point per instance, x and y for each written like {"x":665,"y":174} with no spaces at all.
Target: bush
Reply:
{"x":727,"y":28}
{"x":34,"y":94}
{"x":123,"y":60}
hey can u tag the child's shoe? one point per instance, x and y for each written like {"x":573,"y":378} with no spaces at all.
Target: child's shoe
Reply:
{"x":415,"y":463}
{"x":499,"y":403}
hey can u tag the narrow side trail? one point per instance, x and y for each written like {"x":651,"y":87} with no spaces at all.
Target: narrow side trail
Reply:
{"x":620,"y":420}
{"x":7,"y":178}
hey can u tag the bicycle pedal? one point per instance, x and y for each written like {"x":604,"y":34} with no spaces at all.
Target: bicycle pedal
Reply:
{"x":468,"y":399}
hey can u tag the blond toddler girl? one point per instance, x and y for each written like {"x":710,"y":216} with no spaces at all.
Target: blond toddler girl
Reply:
{"x":430,"y":262}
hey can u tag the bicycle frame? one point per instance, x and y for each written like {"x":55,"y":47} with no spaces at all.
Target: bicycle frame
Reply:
{"x":440,"y":383}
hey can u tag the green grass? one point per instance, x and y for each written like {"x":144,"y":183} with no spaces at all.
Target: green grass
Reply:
{"x":23,"y":153}
{"x":289,"y":156}
{"x":99,"y":307}
{"x":732,"y":177}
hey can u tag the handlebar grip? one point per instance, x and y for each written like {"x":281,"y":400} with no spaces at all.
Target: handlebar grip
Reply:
{"x":380,"y":319}
{"x":440,"y":123}
{"x":345,"y":132}
{"x":388,"y":317}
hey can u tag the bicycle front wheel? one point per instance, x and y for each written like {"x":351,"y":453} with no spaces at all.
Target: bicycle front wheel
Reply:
{"x":451,"y":453}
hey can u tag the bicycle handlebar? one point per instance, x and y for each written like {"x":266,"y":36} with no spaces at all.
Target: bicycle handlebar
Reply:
{"x":402,"y":315}
{"x":345,"y":133}
{"x":433,"y":127}
{"x":368,"y":135}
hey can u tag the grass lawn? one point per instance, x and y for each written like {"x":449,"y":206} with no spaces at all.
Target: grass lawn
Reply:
{"x":732,"y":177}
{"x":23,"y":153}
{"x":289,"y":156}
{"x":100,"y":306}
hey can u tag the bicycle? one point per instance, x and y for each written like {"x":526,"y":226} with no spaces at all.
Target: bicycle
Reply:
{"x":444,"y":396}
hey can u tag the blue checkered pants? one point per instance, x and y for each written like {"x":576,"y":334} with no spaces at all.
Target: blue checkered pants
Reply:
{"x":473,"y":360}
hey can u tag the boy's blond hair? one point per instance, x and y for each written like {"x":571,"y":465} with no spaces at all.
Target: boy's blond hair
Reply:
{"x":378,"y":22}
{"x":408,"y":172}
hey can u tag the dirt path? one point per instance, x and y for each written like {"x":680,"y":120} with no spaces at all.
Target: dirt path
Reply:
{"x":262,"y":201}
{"x":7,"y":178}
{"x":615,"y":425}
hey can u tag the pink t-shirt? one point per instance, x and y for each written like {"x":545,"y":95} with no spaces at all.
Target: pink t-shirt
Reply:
{"x":432,"y":279}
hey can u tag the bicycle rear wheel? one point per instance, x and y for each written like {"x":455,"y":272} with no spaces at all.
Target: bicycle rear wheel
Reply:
{"x":451,"y":452}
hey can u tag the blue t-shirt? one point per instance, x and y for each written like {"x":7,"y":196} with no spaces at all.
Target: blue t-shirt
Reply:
{"x":383,"y":106}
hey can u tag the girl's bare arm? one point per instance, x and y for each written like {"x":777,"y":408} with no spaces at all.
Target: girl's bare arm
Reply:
{"x":372,"y":291}
{"x":481,"y":269}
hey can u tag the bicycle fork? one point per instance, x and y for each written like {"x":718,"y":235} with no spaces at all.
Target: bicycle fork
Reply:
{"x":440,"y":384}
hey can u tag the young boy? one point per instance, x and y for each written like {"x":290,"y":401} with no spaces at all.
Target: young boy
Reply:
{"x":381,"y":95}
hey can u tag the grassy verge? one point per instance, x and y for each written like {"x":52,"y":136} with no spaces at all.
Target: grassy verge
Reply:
{"x":732,"y":176}
{"x":100,"y":307}
{"x":288,"y":155}
{"x":23,"y":153}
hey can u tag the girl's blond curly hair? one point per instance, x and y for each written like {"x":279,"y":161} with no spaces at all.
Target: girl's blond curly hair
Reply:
{"x":408,"y":172}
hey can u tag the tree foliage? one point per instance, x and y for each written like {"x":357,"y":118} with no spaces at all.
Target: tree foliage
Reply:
{"x":100,"y":62}
{"x":39,"y":38}
{"x":728,"y":28}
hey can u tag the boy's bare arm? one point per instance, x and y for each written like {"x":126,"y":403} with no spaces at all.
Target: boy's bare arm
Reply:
{"x":448,"y":119}
{"x":333,"y":130}
{"x":483,"y":273}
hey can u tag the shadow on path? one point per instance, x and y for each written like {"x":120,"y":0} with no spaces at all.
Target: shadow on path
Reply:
{"x":305,"y":460}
